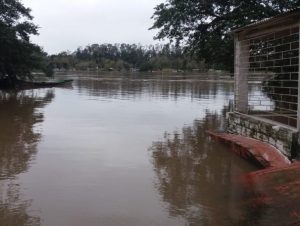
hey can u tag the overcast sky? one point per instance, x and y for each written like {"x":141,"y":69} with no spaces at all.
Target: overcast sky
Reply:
{"x":68,"y":24}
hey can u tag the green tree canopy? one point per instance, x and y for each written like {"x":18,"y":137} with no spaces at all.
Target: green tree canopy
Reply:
{"x":203,"y":26}
{"x":18,"y":56}
{"x":125,"y":57}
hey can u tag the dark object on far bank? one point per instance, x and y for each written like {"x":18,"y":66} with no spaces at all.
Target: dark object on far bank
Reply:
{"x":33,"y":84}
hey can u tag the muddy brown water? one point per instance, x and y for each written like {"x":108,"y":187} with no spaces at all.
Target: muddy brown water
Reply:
{"x":114,"y":150}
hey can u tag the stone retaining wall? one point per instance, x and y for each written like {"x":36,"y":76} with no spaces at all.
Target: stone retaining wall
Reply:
{"x":285,"y":139}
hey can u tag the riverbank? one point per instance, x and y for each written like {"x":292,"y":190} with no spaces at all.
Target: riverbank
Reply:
{"x":33,"y":84}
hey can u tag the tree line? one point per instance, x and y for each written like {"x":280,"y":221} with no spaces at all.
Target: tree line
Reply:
{"x":199,"y":31}
{"x":125,"y":57}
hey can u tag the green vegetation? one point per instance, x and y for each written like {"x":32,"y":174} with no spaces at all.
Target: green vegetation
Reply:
{"x":203,"y":27}
{"x":199,"y":31}
{"x":18,"y":56}
{"x":127,"y":57}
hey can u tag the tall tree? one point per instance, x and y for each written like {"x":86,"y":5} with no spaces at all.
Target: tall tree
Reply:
{"x":203,"y":26}
{"x":18,"y":56}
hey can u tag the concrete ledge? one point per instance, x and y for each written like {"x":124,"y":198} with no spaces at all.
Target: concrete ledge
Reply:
{"x":262,"y":154}
{"x":276,"y":190}
{"x":285,"y":139}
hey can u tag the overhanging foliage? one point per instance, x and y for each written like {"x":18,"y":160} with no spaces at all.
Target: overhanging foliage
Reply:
{"x":203,"y":26}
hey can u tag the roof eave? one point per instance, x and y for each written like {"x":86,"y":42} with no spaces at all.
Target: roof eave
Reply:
{"x":268,"y":21}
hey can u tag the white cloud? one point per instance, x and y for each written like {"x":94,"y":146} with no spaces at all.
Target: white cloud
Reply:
{"x":67,"y":24}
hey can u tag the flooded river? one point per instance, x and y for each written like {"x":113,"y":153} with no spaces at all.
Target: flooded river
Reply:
{"x":118,"y":151}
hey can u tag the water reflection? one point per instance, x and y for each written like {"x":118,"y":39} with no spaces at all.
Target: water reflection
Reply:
{"x":196,"y":177}
{"x":13,"y":208}
{"x":18,"y":139}
{"x":99,"y":160}
{"x":19,"y":117}
{"x":132,"y":88}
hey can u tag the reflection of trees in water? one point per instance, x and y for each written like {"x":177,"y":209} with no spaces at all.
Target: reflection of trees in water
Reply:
{"x":13,"y":210}
{"x":196,"y":177}
{"x":19,"y":116}
{"x":134,"y":88}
